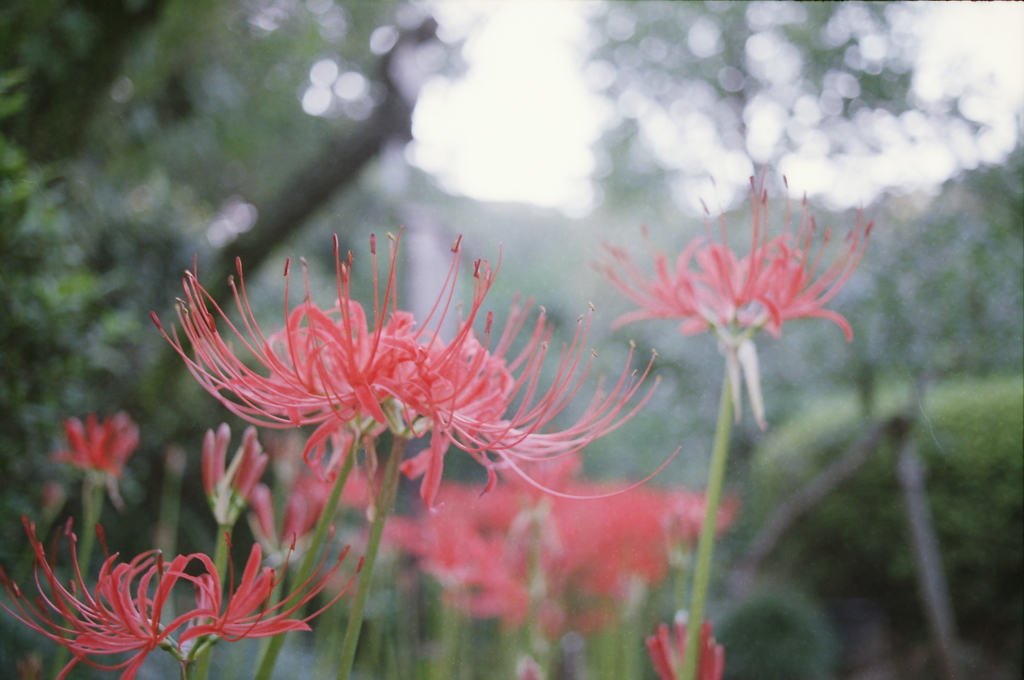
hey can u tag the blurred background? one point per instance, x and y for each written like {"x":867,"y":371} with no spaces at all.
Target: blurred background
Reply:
{"x":139,"y":138}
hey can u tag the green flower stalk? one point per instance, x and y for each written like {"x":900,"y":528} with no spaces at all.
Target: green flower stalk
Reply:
{"x":734,"y":297}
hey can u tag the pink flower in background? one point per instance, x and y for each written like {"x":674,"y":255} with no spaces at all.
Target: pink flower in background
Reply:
{"x":778,"y":280}
{"x":686,"y":511}
{"x":588,"y":558}
{"x":528,"y":669}
{"x":710,"y":287}
{"x":101,"y":447}
{"x":666,"y":650}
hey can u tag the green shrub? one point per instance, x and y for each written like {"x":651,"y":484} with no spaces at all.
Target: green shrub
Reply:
{"x":970,"y":435}
{"x":780,"y":635}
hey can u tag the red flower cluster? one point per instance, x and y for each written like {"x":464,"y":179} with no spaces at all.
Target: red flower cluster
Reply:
{"x":101,"y":447}
{"x":667,"y":653}
{"x":780,"y":279}
{"x":576,"y":561}
{"x":122,"y":613}
{"x":334,"y":369}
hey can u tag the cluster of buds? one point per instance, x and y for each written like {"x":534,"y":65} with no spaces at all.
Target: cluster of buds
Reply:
{"x":287,"y":531}
{"x":229,"y":489}
{"x":667,"y":651}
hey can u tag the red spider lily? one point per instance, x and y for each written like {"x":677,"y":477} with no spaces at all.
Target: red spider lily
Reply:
{"x":229,"y":490}
{"x":122,"y":613}
{"x":246,"y":613}
{"x":667,"y":653}
{"x":479,"y":573}
{"x":777,"y":281}
{"x":330,"y":369}
{"x":476,"y":402}
{"x":325,"y":367}
{"x":101,"y":447}
{"x":306,"y":499}
{"x":780,"y":279}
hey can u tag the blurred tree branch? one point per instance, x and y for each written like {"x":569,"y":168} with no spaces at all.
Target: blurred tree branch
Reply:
{"x":308,"y":190}
{"x":340,"y":162}
{"x":70,"y":53}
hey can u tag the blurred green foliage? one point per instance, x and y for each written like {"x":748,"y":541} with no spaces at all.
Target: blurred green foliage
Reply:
{"x":856,"y":543}
{"x":46,"y":295}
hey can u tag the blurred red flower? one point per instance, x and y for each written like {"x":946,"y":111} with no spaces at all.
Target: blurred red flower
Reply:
{"x":777,"y":281}
{"x":579,"y":561}
{"x":666,"y":652}
{"x":101,"y":447}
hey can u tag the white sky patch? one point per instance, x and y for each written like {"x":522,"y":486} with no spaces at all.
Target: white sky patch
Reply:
{"x":970,"y":56}
{"x":521,"y":124}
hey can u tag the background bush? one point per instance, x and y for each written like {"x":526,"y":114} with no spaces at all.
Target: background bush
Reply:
{"x":856,"y":544}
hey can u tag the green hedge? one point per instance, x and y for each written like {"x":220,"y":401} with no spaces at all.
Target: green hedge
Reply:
{"x":856,"y":544}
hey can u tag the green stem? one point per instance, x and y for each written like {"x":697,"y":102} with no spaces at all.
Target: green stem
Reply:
{"x":705,"y":545}
{"x":220,"y":562}
{"x":447,"y":661}
{"x":384,"y":503}
{"x":92,"y":507}
{"x":537,"y":644}
{"x":680,"y":577}
{"x":269,"y":658}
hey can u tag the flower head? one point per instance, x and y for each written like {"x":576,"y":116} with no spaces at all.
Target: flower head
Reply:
{"x":122,"y":614}
{"x":710,"y":287}
{"x":334,"y":369}
{"x":667,"y":653}
{"x":99,"y":447}
{"x":246,"y":612}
